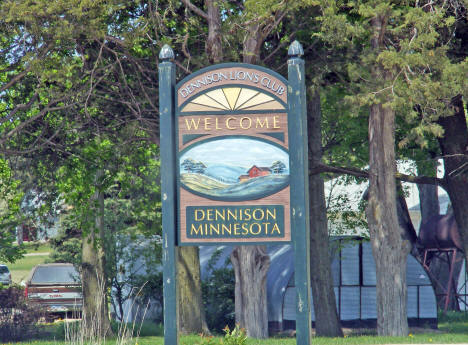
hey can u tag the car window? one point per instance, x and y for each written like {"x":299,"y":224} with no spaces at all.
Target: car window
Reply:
{"x":55,"y":274}
{"x":4,"y":269}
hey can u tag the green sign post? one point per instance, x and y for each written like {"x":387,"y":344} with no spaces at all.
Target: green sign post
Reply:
{"x":234,"y":167}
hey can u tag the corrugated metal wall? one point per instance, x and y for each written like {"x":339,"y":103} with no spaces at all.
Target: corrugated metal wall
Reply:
{"x":353,"y":271}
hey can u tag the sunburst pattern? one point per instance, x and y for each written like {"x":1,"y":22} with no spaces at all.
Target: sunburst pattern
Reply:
{"x":233,"y":98}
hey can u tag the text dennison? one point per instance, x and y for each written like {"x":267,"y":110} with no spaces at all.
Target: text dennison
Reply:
{"x":235,"y":221}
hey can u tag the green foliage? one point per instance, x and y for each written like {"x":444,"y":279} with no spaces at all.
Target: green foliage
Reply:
{"x":415,"y":59}
{"x":66,"y":247}
{"x":218,"y":294}
{"x":133,"y":268}
{"x":132,"y":216}
{"x":10,"y":200}
{"x":452,"y":317}
{"x":235,"y":337}
{"x":344,"y":130}
{"x":345,"y":207}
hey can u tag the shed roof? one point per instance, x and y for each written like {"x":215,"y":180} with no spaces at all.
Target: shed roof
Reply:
{"x":347,"y":275}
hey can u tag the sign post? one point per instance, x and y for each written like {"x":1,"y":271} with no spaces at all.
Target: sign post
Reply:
{"x":234,"y":167}
{"x":168,"y":194}
{"x":300,"y":190}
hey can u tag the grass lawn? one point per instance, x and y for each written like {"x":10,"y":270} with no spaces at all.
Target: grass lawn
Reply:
{"x":449,"y":332}
{"x":36,"y":254}
{"x":351,"y":340}
{"x":453,"y":328}
{"x":35,"y":247}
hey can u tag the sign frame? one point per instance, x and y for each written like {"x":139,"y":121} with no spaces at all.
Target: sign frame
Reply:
{"x":298,"y":185}
{"x":233,"y":67}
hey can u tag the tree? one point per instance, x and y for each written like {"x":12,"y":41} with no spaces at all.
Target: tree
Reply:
{"x":131,"y":217}
{"x":454,"y":147}
{"x":107,"y":86}
{"x":199,"y":168}
{"x":327,"y":321}
{"x":93,"y":275}
{"x":278,"y":167}
{"x":35,"y":93}
{"x":403,"y":46}
{"x":188,"y":164}
{"x":191,"y":316}
{"x":83,"y":186}
{"x":256,"y":22}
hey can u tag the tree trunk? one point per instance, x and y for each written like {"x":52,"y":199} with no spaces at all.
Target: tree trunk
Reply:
{"x":389,"y":247}
{"x":390,"y":244}
{"x":251,"y":265}
{"x":327,"y":322}
{"x":214,"y":48}
{"x":438,"y":269}
{"x":95,"y":309}
{"x":252,"y":43}
{"x":454,"y":147}
{"x":428,"y":201}
{"x":251,"y":262}
{"x":19,"y":235}
{"x":191,"y":311}
{"x":192,"y":317}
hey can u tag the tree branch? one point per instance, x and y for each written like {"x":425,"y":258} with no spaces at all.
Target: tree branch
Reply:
{"x":195,"y":9}
{"x":15,"y":79}
{"x":19,"y":107}
{"x":20,"y":75}
{"x":323,"y":168}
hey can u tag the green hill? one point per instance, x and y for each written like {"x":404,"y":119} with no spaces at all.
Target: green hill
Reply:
{"x":201,"y":183}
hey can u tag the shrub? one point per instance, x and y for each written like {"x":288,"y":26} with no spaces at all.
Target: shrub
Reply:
{"x":235,"y":337}
{"x":18,"y":319}
{"x":218,"y":295}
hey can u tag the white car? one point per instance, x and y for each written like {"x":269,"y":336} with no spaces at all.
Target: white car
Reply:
{"x":5,"y":275}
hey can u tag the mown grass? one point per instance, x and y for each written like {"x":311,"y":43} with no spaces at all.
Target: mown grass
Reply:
{"x":452,"y":330}
{"x":453,"y":326}
{"x":21,"y":268}
{"x":351,"y":340}
{"x":37,"y":247}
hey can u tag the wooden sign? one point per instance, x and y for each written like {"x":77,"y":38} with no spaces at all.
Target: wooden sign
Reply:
{"x":233,"y":156}
{"x":234,"y":168}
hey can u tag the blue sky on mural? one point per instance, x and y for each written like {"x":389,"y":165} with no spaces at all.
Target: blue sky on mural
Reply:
{"x":237,"y":152}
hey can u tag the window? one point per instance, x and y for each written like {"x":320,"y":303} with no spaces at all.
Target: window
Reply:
{"x":55,"y":274}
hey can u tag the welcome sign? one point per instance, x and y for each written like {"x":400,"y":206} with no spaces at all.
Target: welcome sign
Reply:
{"x":234,"y":168}
{"x":232,"y":147}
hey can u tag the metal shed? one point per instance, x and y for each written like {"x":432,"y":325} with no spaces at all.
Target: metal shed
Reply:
{"x":354,"y":277}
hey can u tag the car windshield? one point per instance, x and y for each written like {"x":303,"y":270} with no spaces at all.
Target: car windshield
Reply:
{"x":3,"y":269}
{"x":55,"y":274}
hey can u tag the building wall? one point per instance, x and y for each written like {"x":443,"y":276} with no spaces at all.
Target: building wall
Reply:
{"x":354,"y":277}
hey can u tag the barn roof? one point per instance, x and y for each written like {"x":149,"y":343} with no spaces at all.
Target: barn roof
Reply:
{"x":259,"y":168}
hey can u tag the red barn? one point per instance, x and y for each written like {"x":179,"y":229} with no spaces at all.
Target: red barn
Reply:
{"x":258,"y":171}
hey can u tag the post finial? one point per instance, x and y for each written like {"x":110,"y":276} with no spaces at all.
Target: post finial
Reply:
{"x":166,"y":53}
{"x":295,"y":49}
